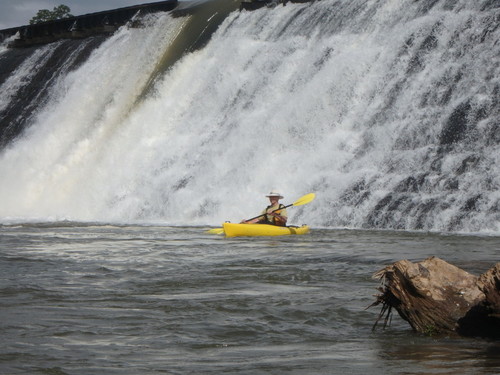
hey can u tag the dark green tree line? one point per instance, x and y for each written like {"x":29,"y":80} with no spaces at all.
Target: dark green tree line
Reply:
{"x":44,"y":15}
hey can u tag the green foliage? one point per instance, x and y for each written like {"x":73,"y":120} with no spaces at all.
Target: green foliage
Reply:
{"x":44,"y":15}
{"x":430,"y":330}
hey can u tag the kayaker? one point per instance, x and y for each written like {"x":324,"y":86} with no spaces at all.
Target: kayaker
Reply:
{"x":274,"y":214}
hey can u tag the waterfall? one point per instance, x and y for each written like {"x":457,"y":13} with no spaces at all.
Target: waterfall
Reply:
{"x":387,"y":110}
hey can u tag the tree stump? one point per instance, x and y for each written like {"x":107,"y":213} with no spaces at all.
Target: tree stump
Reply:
{"x":435,"y":297}
{"x":489,"y":283}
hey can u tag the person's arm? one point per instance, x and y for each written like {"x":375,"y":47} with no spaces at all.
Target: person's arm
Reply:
{"x":256,"y":220}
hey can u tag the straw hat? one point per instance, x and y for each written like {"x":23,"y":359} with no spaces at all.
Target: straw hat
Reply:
{"x":274,"y":194}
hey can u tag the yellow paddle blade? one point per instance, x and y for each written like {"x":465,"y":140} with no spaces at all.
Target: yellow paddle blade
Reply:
{"x":215,"y":231}
{"x":304,"y":200}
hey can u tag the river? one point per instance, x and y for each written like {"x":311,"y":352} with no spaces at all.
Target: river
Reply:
{"x":118,"y":299}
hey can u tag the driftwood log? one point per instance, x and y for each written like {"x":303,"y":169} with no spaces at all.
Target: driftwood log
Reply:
{"x":436,"y":297}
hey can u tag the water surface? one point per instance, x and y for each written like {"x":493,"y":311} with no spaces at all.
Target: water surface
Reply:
{"x":88,"y":299}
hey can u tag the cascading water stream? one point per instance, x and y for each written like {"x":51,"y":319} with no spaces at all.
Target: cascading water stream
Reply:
{"x":389,"y":111}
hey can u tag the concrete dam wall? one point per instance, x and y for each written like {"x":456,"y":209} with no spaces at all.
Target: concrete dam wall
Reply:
{"x":81,"y":26}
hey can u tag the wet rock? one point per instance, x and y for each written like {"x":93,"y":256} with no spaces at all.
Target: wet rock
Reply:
{"x":456,"y":126}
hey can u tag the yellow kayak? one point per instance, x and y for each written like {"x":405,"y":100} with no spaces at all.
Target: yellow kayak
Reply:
{"x":236,"y":230}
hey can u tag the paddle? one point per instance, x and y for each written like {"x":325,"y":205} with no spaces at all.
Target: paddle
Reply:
{"x":215,"y":231}
{"x":299,"y":202}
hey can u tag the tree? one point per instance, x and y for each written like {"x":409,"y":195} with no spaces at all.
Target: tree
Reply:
{"x":44,"y":15}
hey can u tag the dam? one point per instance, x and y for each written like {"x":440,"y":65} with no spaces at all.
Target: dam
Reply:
{"x":388,"y":111}
{"x":77,"y":27}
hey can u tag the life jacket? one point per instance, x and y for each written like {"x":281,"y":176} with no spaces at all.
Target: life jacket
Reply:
{"x":271,"y":219}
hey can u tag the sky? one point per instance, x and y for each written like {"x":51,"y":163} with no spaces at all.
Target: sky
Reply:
{"x":15,"y":13}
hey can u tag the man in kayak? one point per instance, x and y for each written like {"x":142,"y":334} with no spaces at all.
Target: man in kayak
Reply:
{"x":274,"y":214}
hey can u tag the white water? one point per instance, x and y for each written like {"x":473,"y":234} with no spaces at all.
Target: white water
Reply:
{"x":321,"y":97}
